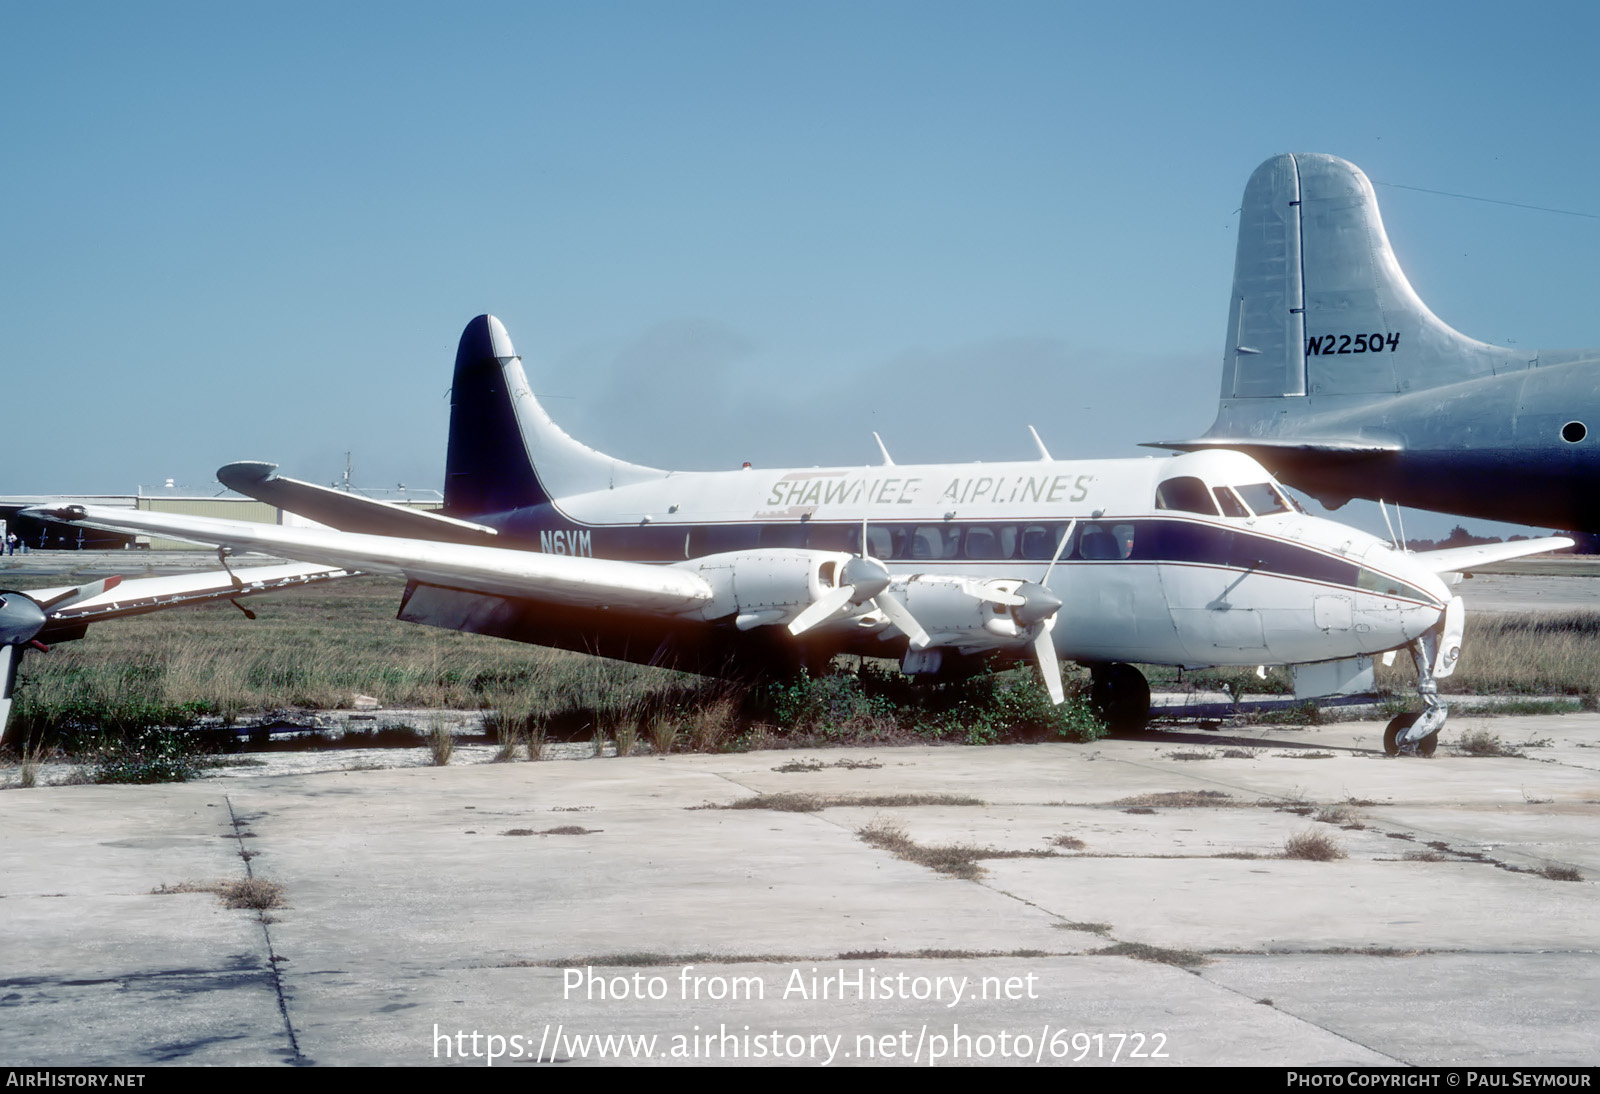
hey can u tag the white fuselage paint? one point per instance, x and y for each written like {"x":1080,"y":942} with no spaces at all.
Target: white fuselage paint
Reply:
{"x":1118,"y":609}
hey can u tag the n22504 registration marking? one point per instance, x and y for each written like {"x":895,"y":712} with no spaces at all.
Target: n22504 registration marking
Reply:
{"x":1376,"y":342}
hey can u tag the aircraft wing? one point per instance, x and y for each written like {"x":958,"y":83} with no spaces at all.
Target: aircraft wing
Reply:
{"x":1330,"y":446}
{"x":561,"y":579}
{"x":67,"y":613}
{"x":40,"y":617}
{"x":1451,"y":560}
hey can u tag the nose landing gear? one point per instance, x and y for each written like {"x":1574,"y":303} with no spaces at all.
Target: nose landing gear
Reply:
{"x":1418,"y":734}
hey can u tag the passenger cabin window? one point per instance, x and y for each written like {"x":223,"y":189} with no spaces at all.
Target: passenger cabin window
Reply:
{"x":1039,"y":541}
{"x":935,"y":541}
{"x":1105,"y":542}
{"x":977,"y":542}
{"x":1264,"y":498}
{"x":718,"y":539}
{"x":783,"y":535}
{"x":880,"y":541}
{"x":1186,"y":494}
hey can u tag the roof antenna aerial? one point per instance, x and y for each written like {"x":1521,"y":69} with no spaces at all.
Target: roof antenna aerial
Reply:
{"x":1384,"y":509}
{"x":1044,"y":453}
{"x":887,"y":462}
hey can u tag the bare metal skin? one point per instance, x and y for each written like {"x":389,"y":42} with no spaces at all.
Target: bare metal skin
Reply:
{"x":1338,"y":378}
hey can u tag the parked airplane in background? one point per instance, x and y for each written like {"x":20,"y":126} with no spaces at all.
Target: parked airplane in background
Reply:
{"x":1337,"y":376}
{"x":40,"y":618}
{"x":1193,"y":560}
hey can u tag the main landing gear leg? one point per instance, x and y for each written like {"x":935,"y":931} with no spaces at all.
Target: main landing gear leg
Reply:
{"x":1120,"y":696}
{"x":1418,"y":734}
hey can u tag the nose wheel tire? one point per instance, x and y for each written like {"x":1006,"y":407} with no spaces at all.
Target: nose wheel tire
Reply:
{"x":1120,"y":696}
{"x":1391,"y":737}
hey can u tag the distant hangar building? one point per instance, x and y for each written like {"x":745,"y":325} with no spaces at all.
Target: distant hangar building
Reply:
{"x":42,"y":535}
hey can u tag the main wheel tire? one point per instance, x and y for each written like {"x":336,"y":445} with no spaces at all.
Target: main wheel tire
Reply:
{"x":1120,"y":696}
{"x":1391,"y":735}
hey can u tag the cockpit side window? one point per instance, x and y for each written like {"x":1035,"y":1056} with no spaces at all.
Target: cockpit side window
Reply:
{"x":1186,"y":494}
{"x":1264,"y":498}
{"x":1230,"y":503}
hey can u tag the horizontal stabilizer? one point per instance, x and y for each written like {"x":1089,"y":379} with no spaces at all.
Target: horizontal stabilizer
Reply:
{"x":1456,"y":559}
{"x":344,"y":511}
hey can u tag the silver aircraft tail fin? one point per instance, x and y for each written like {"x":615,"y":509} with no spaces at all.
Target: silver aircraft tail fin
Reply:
{"x":1320,"y":305}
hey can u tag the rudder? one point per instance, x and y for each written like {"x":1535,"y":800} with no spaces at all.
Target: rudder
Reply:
{"x":1320,"y":304}
{"x":505,"y":452}
{"x":488,"y":467}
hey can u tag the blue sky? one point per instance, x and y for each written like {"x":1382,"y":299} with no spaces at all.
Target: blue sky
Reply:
{"x":726,"y":231}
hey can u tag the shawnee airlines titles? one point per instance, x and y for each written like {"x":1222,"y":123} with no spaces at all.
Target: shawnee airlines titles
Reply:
{"x":838,"y":488}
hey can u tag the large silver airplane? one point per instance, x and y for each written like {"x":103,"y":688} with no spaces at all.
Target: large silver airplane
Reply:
{"x":1337,"y":376}
{"x":1193,"y":560}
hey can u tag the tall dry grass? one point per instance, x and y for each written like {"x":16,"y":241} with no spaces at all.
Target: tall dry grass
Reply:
{"x":312,"y":648}
{"x":1525,"y":653}
{"x":323,"y":647}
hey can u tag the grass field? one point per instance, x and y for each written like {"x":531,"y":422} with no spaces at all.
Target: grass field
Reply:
{"x":323,"y":647}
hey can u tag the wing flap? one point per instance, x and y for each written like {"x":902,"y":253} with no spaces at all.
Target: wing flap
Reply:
{"x":153,"y":594}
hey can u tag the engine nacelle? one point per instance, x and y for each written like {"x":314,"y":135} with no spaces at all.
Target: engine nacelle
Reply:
{"x":767,"y":586}
{"x":972,"y":614}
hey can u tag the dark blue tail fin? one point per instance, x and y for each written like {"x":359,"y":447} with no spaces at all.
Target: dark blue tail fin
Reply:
{"x":488,"y":468}
{"x":505,"y":453}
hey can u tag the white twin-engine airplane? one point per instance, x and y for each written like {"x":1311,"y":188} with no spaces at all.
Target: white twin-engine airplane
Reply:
{"x":1193,"y":560}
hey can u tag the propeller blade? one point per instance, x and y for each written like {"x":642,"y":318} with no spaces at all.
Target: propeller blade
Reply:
{"x":1066,"y":538}
{"x":991,"y":595}
{"x":1044,"y":648}
{"x":824,"y":608}
{"x":9,"y":656}
{"x":901,"y":617}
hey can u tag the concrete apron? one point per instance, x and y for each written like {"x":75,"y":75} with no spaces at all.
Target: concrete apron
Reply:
{"x":414,"y":920}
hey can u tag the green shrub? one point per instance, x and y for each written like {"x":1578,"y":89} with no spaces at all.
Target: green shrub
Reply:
{"x":151,"y":756}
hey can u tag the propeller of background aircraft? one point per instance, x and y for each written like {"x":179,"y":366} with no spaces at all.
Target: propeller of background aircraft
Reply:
{"x":21,"y":618}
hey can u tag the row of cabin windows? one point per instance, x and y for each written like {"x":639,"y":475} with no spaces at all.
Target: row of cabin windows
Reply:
{"x":1136,"y":539}
{"x":897,"y":542}
{"x":942,"y":542}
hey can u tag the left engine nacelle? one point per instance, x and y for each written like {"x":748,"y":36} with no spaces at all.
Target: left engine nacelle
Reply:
{"x":768,"y":586}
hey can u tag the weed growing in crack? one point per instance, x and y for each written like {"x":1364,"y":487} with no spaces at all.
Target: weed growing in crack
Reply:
{"x":1313,"y":847}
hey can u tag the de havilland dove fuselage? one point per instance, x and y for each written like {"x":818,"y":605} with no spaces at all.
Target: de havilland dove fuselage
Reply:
{"x":1193,"y":560}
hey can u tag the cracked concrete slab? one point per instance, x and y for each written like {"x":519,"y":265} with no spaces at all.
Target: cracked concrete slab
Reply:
{"x":412,"y":912}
